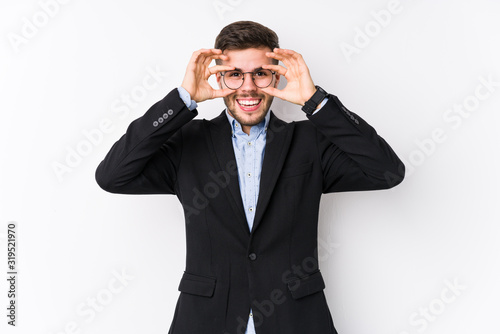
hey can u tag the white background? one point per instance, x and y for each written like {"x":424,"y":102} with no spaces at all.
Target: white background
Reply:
{"x":386,"y":256}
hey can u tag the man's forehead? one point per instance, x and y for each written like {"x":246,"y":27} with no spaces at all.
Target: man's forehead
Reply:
{"x":244,"y":66}
{"x":262,"y":51}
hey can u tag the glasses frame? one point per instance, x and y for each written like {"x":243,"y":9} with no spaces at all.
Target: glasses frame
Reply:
{"x":223,"y":74}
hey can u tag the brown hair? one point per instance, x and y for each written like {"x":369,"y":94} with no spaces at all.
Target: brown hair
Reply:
{"x":242,"y":35}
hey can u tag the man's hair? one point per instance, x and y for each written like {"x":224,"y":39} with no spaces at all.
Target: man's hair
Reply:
{"x":245,"y":35}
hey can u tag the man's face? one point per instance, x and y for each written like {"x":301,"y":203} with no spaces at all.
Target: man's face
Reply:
{"x":248,"y":60}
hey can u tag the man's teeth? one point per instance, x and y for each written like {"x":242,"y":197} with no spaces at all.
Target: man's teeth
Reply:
{"x":248,"y":102}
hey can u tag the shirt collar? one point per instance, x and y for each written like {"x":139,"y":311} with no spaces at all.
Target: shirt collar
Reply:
{"x":236,"y":126}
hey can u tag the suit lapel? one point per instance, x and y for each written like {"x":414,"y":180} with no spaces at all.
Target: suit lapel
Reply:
{"x":278,"y":139}
{"x":222,"y":154}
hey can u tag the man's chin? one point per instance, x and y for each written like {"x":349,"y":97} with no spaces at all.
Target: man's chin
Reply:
{"x":246,"y":118}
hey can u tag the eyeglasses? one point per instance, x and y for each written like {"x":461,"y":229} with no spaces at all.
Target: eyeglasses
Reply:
{"x":262,"y":78}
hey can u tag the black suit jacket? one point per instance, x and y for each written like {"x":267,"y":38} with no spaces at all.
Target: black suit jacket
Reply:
{"x":274,"y":268}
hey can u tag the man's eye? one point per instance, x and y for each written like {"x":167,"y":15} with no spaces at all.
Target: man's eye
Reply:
{"x":235,"y":74}
{"x":260,"y":74}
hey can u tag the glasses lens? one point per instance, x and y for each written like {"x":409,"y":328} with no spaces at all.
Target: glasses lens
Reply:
{"x":262,"y":78}
{"x":233,"y":79}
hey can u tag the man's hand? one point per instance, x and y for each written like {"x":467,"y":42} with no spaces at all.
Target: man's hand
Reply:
{"x":299,"y":87}
{"x":197,"y":74}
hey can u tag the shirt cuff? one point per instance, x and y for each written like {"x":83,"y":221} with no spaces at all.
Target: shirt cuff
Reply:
{"x":325,"y":100}
{"x":186,"y":97}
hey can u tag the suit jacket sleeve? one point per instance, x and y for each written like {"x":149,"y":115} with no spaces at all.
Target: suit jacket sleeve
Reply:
{"x":145,"y":159}
{"x":352,"y":154}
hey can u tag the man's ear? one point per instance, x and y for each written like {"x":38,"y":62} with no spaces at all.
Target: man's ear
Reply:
{"x":277,"y":80}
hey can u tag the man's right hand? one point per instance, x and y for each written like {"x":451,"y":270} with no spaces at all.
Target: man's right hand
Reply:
{"x":197,"y":74}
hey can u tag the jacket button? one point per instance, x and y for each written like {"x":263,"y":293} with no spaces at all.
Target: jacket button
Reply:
{"x":252,"y":256}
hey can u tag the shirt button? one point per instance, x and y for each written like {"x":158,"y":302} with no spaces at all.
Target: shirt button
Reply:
{"x":249,"y":143}
{"x":252,"y":256}
{"x":250,"y":209}
{"x":249,"y":174}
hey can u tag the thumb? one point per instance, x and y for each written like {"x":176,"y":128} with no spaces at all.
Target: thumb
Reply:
{"x":274,"y":92}
{"x":222,"y":92}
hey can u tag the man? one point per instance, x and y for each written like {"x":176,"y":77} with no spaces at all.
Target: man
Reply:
{"x":250,"y":184}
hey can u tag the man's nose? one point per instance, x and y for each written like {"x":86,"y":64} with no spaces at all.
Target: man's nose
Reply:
{"x":248,"y":83}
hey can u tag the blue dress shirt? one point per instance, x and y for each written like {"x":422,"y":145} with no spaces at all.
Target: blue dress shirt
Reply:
{"x":249,"y":152}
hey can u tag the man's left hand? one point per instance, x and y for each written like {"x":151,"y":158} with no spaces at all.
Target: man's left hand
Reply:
{"x":300,"y":87}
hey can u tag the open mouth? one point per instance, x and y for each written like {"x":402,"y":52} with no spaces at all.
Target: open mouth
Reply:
{"x":249,"y":104}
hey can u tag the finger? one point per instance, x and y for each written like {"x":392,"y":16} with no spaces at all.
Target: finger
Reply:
{"x":273,"y":91}
{"x":281,"y":50}
{"x":275,"y":55}
{"x":212,"y":52}
{"x":278,"y":68}
{"x":292,"y":55}
{"x":197,"y":56}
{"x":219,"y":68}
{"x":201,"y":54}
{"x":284,"y":58}
{"x":222,"y":92}
{"x":205,"y":58}
{"x":286,"y":52}
{"x":220,"y":56}
{"x":299,"y":59}
{"x":209,"y":51}
{"x":208,"y":58}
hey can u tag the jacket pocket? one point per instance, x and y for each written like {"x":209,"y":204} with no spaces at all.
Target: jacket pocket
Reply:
{"x":296,"y":170}
{"x":197,"y":284}
{"x":304,"y":286}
